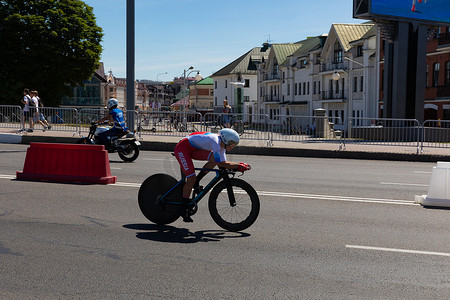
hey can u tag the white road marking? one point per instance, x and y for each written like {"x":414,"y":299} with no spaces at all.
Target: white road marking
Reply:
{"x":337,"y":198}
{"x":114,"y":168}
{"x":398,"y":250}
{"x":286,"y":195}
{"x":406,"y":184}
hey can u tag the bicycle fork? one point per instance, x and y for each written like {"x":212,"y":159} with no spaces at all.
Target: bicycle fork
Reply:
{"x":230,"y":192}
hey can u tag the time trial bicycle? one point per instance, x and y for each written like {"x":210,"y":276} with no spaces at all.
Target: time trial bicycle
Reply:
{"x":233,"y":203}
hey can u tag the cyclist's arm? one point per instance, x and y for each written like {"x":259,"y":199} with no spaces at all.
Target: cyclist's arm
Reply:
{"x":228,"y":165}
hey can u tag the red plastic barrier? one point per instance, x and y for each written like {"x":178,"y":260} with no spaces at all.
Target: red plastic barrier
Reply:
{"x":67,"y":163}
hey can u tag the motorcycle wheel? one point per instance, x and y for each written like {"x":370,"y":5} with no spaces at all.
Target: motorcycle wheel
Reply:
{"x":151,"y":189}
{"x":129,"y":152}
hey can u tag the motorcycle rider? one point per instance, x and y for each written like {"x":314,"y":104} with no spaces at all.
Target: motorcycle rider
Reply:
{"x":115,"y":116}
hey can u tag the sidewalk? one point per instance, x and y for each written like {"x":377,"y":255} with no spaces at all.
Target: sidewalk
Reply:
{"x":256,"y":147}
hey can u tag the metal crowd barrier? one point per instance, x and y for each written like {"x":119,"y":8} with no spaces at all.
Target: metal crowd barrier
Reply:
{"x":11,"y":116}
{"x":436,"y":134}
{"x":294,"y":128}
{"x":285,"y":128}
{"x":384,"y":131}
{"x":168,"y":123}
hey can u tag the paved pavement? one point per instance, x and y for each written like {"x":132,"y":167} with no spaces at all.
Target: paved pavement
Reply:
{"x":258,"y":147}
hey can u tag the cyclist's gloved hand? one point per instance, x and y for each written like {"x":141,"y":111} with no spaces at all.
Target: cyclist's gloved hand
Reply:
{"x":242,"y":167}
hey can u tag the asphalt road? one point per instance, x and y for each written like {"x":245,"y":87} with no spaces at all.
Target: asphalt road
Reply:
{"x":328,"y":229}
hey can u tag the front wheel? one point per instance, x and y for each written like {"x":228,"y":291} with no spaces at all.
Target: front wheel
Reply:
{"x":129,"y":151}
{"x":150,"y":191}
{"x":235,"y":217}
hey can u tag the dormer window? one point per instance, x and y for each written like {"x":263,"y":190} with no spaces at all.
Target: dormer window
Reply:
{"x":359,"y":50}
{"x":338,"y":53}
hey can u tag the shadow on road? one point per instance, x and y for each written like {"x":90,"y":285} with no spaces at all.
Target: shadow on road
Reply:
{"x":170,"y":234}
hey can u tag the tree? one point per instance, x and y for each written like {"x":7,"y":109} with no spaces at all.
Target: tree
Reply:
{"x":45,"y":46}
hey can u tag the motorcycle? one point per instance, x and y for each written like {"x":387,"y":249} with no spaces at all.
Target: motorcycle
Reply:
{"x":127,"y":148}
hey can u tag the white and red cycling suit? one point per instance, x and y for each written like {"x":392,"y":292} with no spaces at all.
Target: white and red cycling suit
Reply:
{"x":198,"y":146}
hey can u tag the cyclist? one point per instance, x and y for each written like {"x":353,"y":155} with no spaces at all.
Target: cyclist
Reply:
{"x":115,"y":115}
{"x":209,"y":147}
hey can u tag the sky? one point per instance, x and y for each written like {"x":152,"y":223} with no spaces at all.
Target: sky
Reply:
{"x":173,"y":35}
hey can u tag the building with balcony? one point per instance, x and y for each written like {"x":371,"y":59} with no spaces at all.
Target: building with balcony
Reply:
{"x":348,"y":72}
{"x":274,"y":74}
{"x":243,"y":97}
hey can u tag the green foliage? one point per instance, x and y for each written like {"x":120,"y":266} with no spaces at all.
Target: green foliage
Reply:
{"x":45,"y":45}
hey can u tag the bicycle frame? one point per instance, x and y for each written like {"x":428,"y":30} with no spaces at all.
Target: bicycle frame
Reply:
{"x":220,"y":174}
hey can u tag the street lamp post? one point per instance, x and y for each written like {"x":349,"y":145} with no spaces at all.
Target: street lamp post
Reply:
{"x":198,"y":77}
{"x":336,"y":76}
{"x":157,"y":90}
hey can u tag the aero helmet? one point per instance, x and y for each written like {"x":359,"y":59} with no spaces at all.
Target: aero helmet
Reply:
{"x":112,"y":102}
{"x":229,"y":136}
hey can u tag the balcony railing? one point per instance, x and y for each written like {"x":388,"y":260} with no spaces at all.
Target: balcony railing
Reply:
{"x":275,"y":76}
{"x":329,"y":95}
{"x":334,"y":66}
{"x":271,"y":98}
{"x":444,"y":38}
{"x":443,"y":91}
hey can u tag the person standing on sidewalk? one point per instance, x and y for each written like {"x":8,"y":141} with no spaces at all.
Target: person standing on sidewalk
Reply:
{"x":26,"y":110}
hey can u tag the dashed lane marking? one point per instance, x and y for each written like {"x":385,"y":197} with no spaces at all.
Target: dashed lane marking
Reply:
{"x":408,"y":251}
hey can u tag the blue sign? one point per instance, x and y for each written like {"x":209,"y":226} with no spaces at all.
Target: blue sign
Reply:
{"x":433,"y":12}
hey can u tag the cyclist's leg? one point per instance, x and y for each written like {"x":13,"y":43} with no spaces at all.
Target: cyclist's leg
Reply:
{"x":182,"y":153}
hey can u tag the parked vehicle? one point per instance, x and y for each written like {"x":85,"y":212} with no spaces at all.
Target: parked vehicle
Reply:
{"x":127,"y":148}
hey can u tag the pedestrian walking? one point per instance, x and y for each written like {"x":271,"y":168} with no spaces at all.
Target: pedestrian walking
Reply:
{"x":39,"y":114}
{"x":26,"y":101}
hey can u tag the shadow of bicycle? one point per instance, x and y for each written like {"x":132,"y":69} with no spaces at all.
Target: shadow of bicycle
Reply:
{"x":170,"y":234}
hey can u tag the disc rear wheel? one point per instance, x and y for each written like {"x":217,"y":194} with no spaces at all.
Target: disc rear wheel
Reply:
{"x":150,"y":191}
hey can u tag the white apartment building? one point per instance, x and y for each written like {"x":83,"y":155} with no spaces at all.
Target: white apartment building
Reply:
{"x":242,"y":98}
{"x":335,"y":72}
{"x":348,"y":73}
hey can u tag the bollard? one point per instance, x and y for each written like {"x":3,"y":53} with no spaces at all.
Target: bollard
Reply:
{"x":439,"y":188}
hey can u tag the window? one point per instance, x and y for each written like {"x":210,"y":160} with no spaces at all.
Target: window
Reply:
{"x":314,"y":87}
{"x":308,"y":87}
{"x":361,"y":84}
{"x":289,"y":89}
{"x":355,"y":84}
{"x":304,"y":88}
{"x":447,"y":73}
{"x":318,"y":87}
{"x":426,"y":76}
{"x":436,"y":74}
{"x":337,"y":87}
{"x":226,"y":83}
{"x":359,"y":50}
{"x":295,"y":89}
{"x":338,"y":53}
{"x":215,"y":84}
{"x":247,"y":83}
{"x":246,"y":98}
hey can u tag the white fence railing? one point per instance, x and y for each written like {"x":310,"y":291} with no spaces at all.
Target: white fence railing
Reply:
{"x":284,"y":128}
